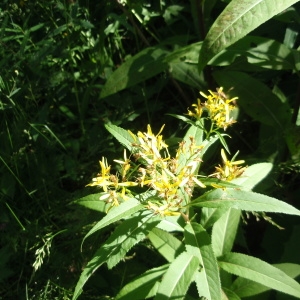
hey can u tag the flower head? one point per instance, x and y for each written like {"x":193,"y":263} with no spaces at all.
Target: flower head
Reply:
{"x":230,"y":169}
{"x":219,"y":107}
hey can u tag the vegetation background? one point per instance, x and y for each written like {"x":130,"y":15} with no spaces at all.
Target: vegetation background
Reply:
{"x":58,"y":87}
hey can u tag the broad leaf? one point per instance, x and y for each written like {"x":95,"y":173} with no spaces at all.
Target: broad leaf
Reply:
{"x":253,"y":175}
{"x":166,"y":244}
{"x":144,"y":65}
{"x":122,"y":135}
{"x":244,"y":200}
{"x":238,"y":19}
{"x":259,"y":271}
{"x":224,"y":232}
{"x":144,"y":286}
{"x":247,"y":288}
{"x":198,"y":243}
{"x":256,"y":99}
{"x":117,"y":213}
{"x":126,"y":235}
{"x":178,"y":277}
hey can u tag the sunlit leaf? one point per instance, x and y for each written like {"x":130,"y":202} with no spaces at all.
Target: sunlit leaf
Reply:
{"x":244,"y":200}
{"x":198,"y":243}
{"x":166,"y":244}
{"x":92,"y":202}
{"x":259,"y":271}
{"x":117,"y":213}
{"x":178,"y":277}
{"x":253,"y":175}
{"x":122,"y":135}
{"x":238,"y":19}
{"x":224,"y":232}
{"x":126,"y":235}
{"x":246,"y":287}
{"x":260,"y":51}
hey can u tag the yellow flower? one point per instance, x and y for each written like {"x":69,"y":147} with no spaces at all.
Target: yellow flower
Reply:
{"x":219,"y":107}
{"x":230,"y":169}
{"x":102,"y":179}
{"x":197,"y":110}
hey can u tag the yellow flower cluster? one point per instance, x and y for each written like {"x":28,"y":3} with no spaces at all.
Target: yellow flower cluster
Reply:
{"x":218,"y":107}
{"x":173,"y":179}
{"x":157,"y":170}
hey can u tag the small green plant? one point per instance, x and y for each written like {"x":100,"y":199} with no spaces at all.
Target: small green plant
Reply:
{"x":158,"y":194}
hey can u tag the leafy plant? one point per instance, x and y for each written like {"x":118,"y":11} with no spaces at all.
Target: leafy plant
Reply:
{"x":207,"y":223}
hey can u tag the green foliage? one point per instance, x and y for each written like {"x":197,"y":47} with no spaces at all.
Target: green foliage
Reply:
{"x":74,"y":73}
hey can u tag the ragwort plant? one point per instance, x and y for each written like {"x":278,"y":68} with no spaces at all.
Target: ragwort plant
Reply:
{"x":175,"y":195}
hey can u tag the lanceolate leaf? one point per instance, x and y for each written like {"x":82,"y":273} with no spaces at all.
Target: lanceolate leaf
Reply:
{"x":224,"y":232}
{"x":247,"y":288}
{"x":129,"y":233}
{"x":122,"y":135}
{"x":244,"y":200}
{"x":117,"y":213}
{"x":238,"y":19}
{"x":144,"y":286}
{"x":166,"y":244}
{"x":178,"y":277}
{"x":198,"y":243}
{"x":253,"y":175}
{"x":257,"y":270}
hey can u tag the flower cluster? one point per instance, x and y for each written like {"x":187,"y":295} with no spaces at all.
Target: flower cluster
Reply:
{"x":157,"y":170}
{"x":172,"y":179}
{"x":218,"y":107}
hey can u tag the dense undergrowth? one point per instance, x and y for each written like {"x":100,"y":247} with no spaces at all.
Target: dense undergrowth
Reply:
{"x":59,"y":86}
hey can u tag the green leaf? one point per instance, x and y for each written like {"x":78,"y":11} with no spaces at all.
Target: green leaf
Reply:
{"x":210,"y":215}
{"x":196,"y":133}
{"x":117,"y":213}
{"x":220,"y":183}
{"x":260,"y":51}
{"x":224,"y":232}
{"x":92,"y":202}
{"x":146,"y":64}
{"x":256,"y":99}
{"x":230,"y":295}
{"x":178,"y":277}
{"x":259,"y":271}
{"x":126,"y":235}
{"x":238,"y":19}
{"x":198,"y":244}
{"x":170,"y":224}
{"x":122,"y":135}
{"x":246,"y":288}
{"x":253,"y":175}
{"x":244,"y":200}
{"x":144,"y":286}
{"x":166,"y":244}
